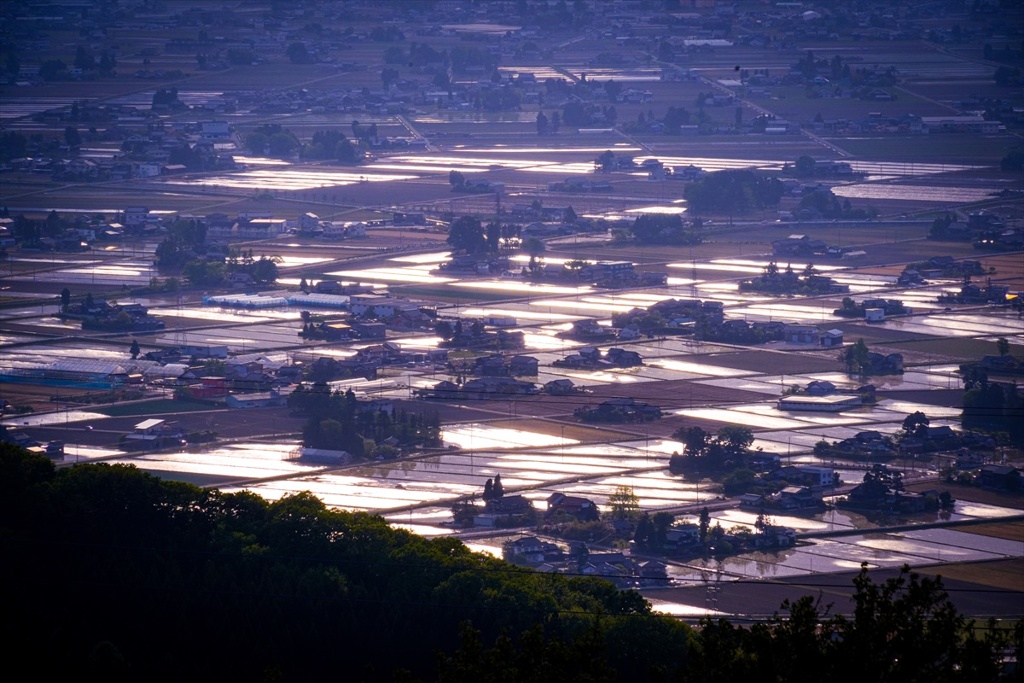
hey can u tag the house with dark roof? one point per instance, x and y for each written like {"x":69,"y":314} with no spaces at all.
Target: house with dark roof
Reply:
{"x":1002,"y":477}
{"x":582,"y":509}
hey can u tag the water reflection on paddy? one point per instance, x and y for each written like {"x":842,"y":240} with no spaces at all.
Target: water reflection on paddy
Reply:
{"x":955,"y":325}
{"x":730,"y":518}
{"x":789,"y":312}
{"x":527,"y":288}
{"x":740,"y":418}
{"x":921,"y":193}
{"x":436,"y":258}
{"x":80,"y":453}
{"x":418,"y":274}
{"x":291,"y":179}
{"x":227,"y":315}
{"x":481,"y":436}
{"x":518,"y":313}
{"x":427,"y":531}
{"x":360,"y":493}
{"x":704,"y":369}
{"x":236,"y":462}
{"x":584,"y":306}
{"x":485,"y":549}
{"x":54,"y":418}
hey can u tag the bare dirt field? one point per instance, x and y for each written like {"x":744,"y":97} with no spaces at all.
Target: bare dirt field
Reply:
{"x":977,"y":588}
{"x":976,"y":494}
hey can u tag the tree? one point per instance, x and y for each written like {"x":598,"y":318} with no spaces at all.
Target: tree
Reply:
{"x":457,"y":180}
{"x":661,"y":229}
{"x":660,"y":524}
{"x":135,"y":350}
{"x":72,"y":138}
{"x":612,"y":90}
{"x":805,"y":166}
{"x":264,"y":271}
{"x":488,"y":490}
{"x":694,"y":438}
{"x":542,"y":123}
{"x":534,"y":246}
{"x":1003,"y":346}
{"x":642,"y":533}
{"x":735,"y":438}
{"x":65,"y":299}
{"x":912,"y":422}
{"x":445,"y":330}
{"x":53,"y":70}
{"x":499,"y":490}
{"x":83,"y":59}
{"x":281,"y":144}
{"x":1005,"y":76}
{"x":493,"y":233}
{"x":624,"y":504}
{"x":907,"y":628}
{"x":704,"y":523}
{"x":467,"y":233}
{"x":298,"y":54}
{"x":388,"y":76}
{"x":855,"y":357}
{"x":106,"y":64}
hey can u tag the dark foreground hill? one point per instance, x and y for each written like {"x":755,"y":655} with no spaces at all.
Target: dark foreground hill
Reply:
{"x":110,"y":573}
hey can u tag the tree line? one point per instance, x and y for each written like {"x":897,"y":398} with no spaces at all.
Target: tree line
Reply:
{"x":114,"y":573}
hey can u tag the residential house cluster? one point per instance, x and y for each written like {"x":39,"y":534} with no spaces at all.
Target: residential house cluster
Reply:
{"x":621,"y":569}
{"x":619,"y":409}
{"x":591,"y":358}
{"x":101,"y":315}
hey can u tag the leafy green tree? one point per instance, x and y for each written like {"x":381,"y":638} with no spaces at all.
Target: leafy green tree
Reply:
{"x":493,"y":233}
{"x":624,"y":503}
{"x":906,"y":628}
{"x":72,"y":138}
{"x":457,"y":180}
{"x":739,"y":481}
{"x":704,"y":523}
{"x":13,"y":145}
{"x":542,"y":123}
{"x":135,"y":350}
{"x":805,"y":166}
{"x":299,"y":54}
{"x":662,"y":229}
{"x":53,"y":70}
{"x":855,"y":357}
{"x":733,"y":191}
{"x":467,"y":233}
{"x":694,"y":438}
{"x":444,"y":329}
{"x":661,"y":522}
{"x":912,"y":422}
{"x":84,"y":59}
{"x":736,"y":438}
{"x":534,"y":246}
{"x":643,"y":531}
